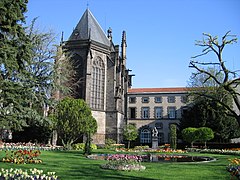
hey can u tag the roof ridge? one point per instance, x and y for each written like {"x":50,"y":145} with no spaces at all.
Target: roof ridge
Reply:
{"x":164,"y":89}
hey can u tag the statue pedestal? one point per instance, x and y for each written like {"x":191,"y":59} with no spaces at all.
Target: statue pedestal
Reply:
{"x":154,"y":142}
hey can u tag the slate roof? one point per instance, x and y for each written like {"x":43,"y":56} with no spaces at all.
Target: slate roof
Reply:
{"x":89,"y":28}
{"x":159,"y":90}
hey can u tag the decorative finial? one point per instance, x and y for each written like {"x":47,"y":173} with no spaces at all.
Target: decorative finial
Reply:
{"x":124,"y":45}
{"x":87,"y":4}
{"x":109,"y":31}
{"x":124,"y":42}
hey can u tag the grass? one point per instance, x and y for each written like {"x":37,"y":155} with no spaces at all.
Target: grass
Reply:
{"x":74,"y":165}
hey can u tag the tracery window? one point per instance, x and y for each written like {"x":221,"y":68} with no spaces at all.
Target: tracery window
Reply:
{"x":98,"y":84}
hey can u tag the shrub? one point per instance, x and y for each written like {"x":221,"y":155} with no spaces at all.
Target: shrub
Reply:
{"x":141,"y":148}
{"x":81,"y":146}
{"x":109,"y":143}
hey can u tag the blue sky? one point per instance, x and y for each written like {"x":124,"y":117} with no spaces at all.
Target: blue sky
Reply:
{"x":161,"y":34}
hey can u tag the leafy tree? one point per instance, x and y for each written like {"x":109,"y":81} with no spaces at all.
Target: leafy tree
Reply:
{"x":90,"y":125}
{"x":173,"y":135}
{"x":190,"y":135}
{"x":63,"y":73}
{"x":38,"y":80}
{"x":130,"y":133}
{"x":15,"y":55}
{"x":74,"y":118}
{"x":41,"y":67}
{"x":205,"y":134}
{"x":207,"y":113}
{"x":14,"y":43}
{"x":228,"y":84}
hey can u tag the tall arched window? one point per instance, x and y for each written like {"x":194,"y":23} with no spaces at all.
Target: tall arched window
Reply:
{"x":98,"y":84}
{"x":145,"y":136}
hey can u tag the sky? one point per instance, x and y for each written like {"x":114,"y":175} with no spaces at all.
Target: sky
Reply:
{"x":161,"y":34}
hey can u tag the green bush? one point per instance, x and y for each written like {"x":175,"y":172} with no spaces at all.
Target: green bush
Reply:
{"x":81,"y":146}
{"x":93,"y":146}
{"x":109,"y":143}
{"x":141,"y":148}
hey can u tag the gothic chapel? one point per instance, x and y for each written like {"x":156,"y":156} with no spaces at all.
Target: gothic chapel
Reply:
{"x":103,"y":79}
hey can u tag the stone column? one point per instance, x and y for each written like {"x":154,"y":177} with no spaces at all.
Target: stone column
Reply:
{"x":154,"y":142}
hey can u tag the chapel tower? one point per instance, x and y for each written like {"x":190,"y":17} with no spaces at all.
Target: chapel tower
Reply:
{"x":101,"y":76}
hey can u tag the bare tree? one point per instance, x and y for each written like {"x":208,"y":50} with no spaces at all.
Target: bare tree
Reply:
{"x":230,"y":81}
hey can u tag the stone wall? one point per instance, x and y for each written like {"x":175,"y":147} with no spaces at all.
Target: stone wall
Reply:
{"x":99,"y":137}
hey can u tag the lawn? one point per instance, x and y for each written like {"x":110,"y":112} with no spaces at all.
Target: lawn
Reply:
{"x":74,"y":165}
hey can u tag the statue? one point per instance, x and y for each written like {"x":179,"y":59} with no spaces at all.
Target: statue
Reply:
{"x":154,"y":132}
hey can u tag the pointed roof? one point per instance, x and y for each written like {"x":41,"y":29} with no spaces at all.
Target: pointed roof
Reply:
{"x":89,"y":28}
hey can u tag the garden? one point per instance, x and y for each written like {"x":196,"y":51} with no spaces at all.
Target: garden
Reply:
{"x":43,"y":162}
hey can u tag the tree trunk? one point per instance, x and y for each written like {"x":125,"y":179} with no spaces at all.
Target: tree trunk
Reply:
{"x":67,"y":145}
{"x":87,"y":149}
{"x":54,"y":137}
{"x":128,"y":144}
{"x":238,"y":119}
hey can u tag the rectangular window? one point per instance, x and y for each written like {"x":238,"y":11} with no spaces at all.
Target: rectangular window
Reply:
{"x":145,"y":112}
{"x":145,"y":99}
{"x":172,"y":112}
{"x":159,"y":125}
{"x":132,"y":113}
{"x":132,"y":99}
{"x":160,"y":137}
{"x":184,"y":99}
{"x":158,"y":112}
{"x":158,"y":99}
{"x":171,"y":99}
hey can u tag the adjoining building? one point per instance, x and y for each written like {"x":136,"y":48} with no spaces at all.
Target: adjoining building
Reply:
{"x":102,"y":78}
{"x":156,"y":107}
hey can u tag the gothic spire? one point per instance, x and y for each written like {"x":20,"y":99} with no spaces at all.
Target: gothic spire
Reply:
{"x":124,"y":45}
{"x":88,"y":24}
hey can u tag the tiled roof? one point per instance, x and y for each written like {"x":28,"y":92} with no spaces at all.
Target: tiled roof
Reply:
{"x":88,"y":28}
{"x":158,"y":90}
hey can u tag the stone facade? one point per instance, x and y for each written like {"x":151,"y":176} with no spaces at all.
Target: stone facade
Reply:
{"x":101,"y":75}
{"x":155,"y":107}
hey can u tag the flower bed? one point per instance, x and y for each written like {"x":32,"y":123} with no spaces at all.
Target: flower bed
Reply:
{"x":215,"y":151}
{"x":150,"y":150}
{"x":127,"y":167}
{"x":22,"y":157}
{"x":29,"y":146}
{"x":123,"y":162}
{"x":26,"y":175}
{"x":234,"y":167}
